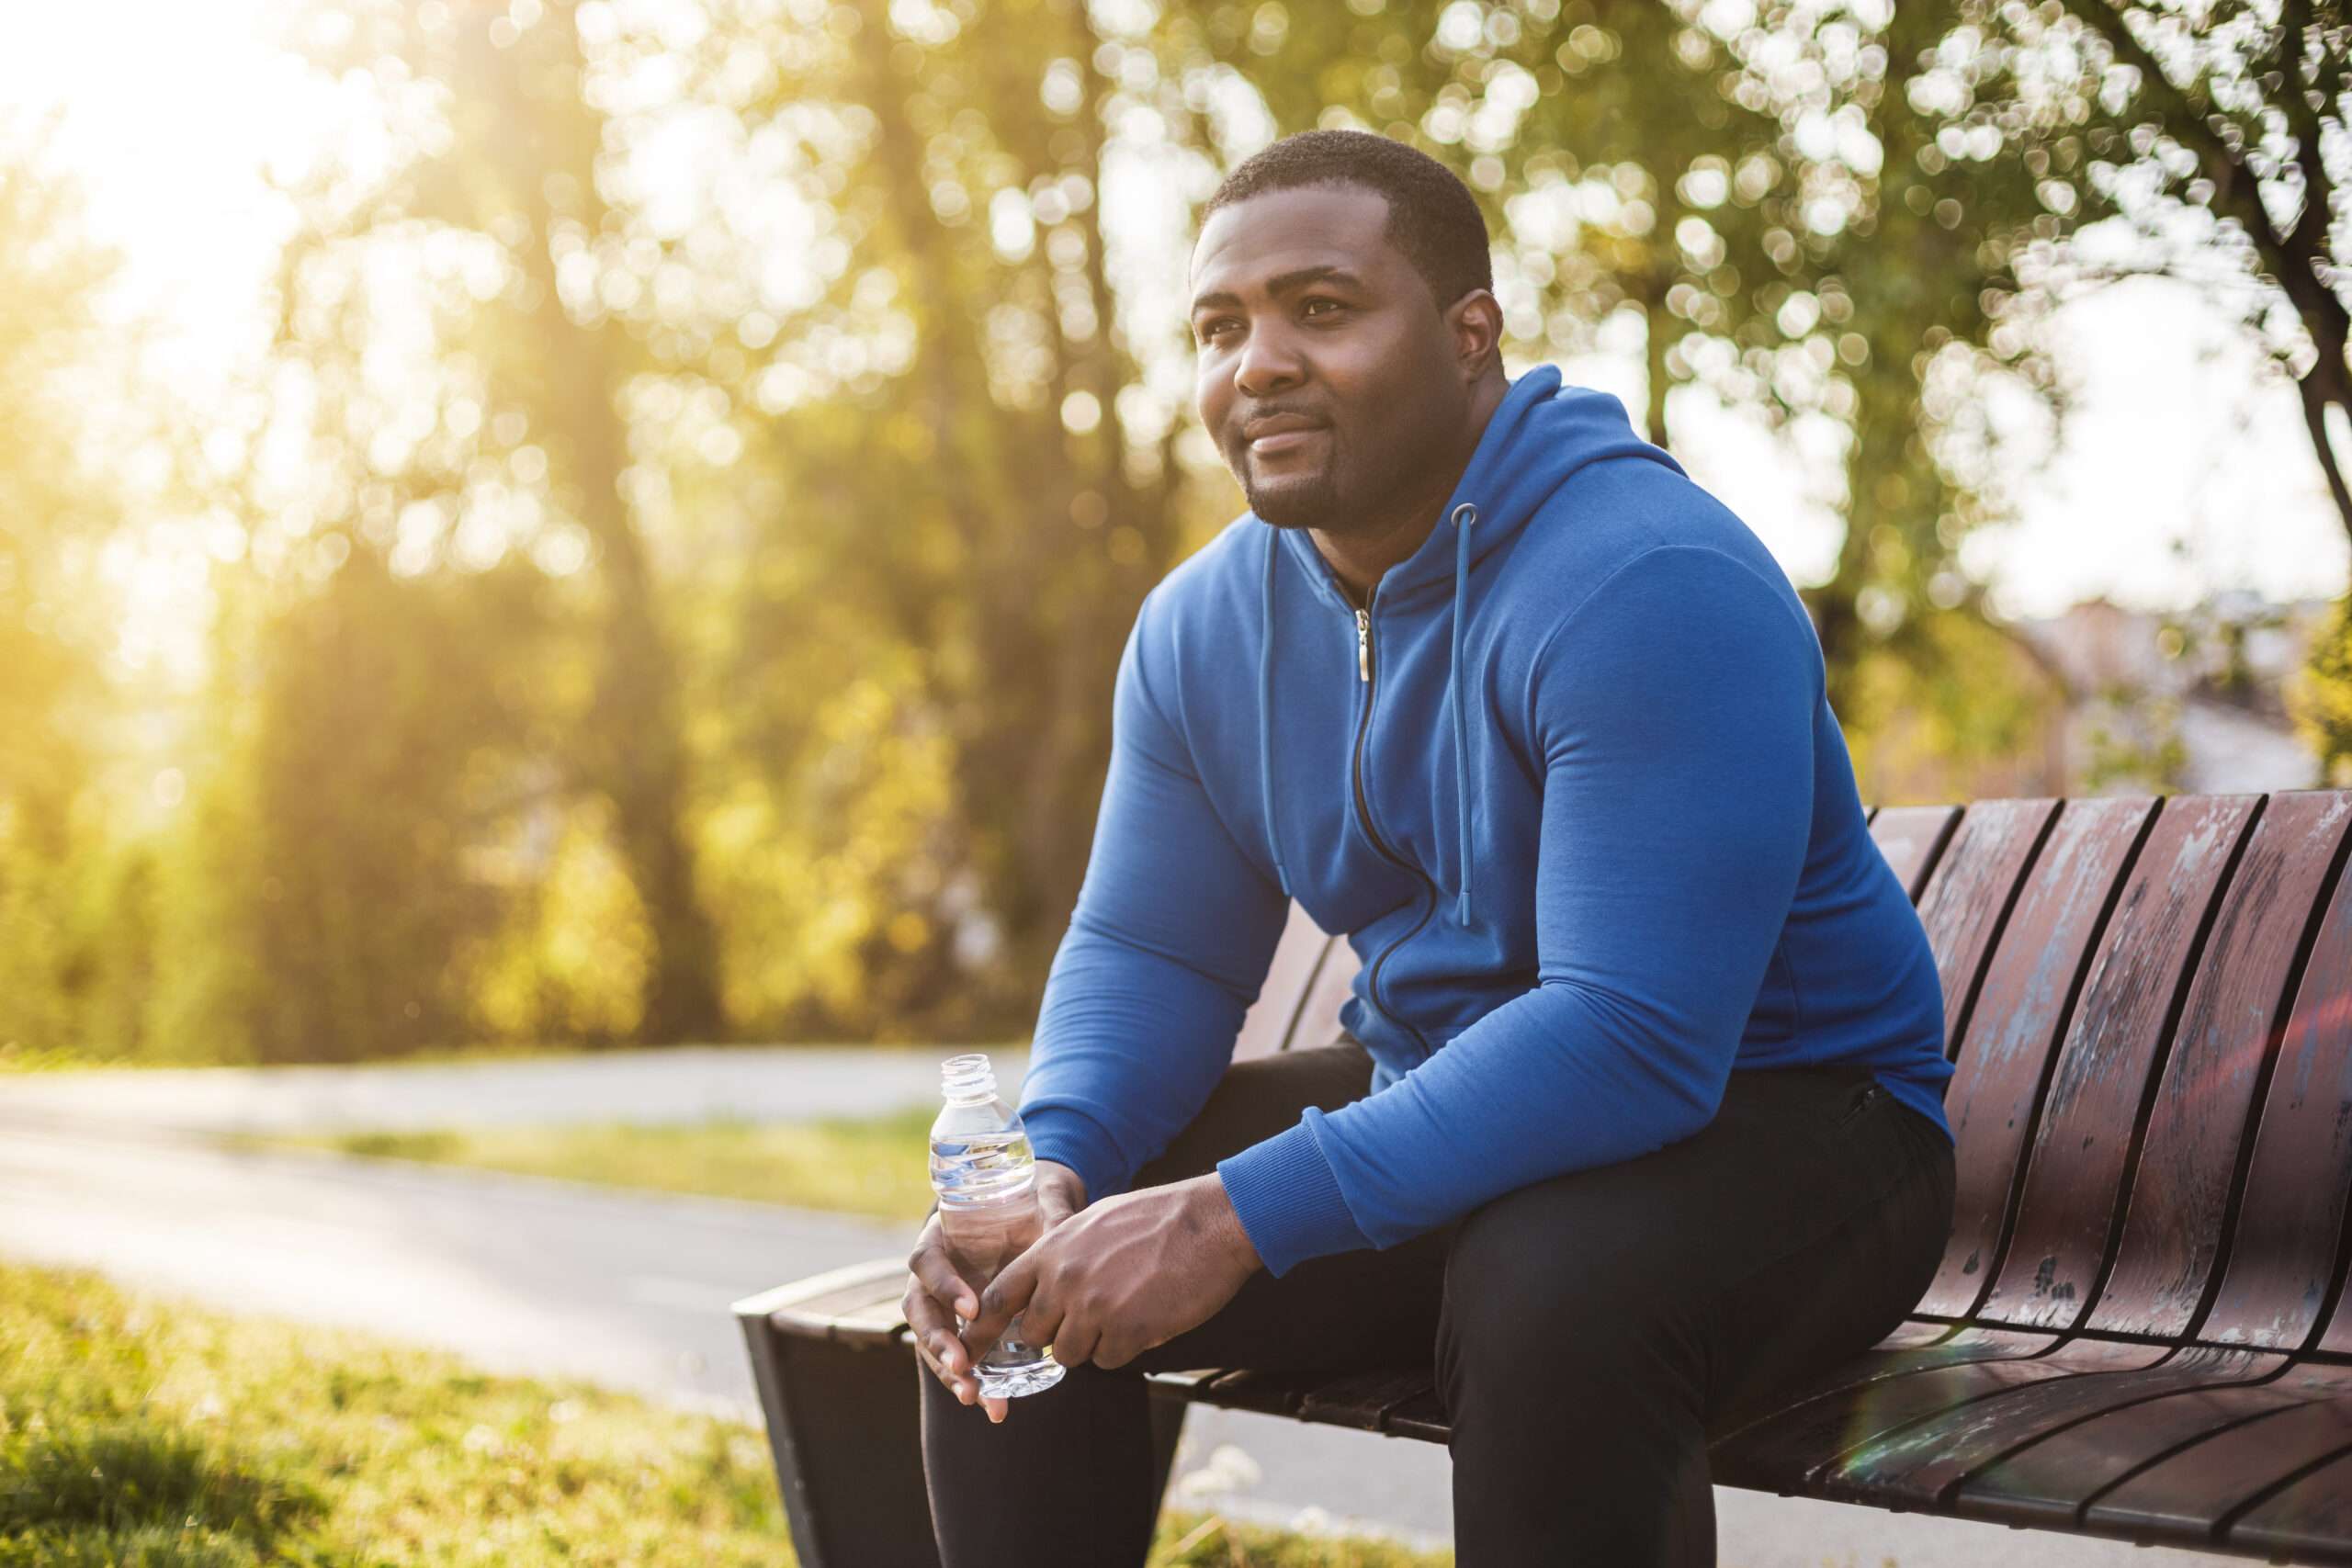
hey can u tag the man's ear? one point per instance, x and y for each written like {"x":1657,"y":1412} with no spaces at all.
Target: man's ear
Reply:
{"x":1474,"y":322}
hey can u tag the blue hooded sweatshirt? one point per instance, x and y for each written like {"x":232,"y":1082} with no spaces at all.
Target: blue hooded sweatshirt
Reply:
{"x":1571,"y":785}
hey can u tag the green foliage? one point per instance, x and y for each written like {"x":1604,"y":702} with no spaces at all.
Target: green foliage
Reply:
{"x":2323,"y":699}
{"x":2212,"y":136}
{"x":135,"y":1430}
{"x":1971,"y":720}
{"x":54,"y":504}
{"x":378,"y":739}
{"x":861,"y":1165}
{"x":2135,"y":743}
{"x":121,"y":1478}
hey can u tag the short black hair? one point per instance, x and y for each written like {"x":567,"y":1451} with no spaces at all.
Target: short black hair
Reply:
{"x":1432,"y":218}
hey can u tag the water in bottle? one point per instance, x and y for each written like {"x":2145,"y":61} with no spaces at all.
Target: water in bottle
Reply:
{"x":986,"y":1176}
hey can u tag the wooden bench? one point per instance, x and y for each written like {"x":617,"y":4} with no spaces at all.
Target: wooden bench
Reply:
{"x":2141,"y":1327}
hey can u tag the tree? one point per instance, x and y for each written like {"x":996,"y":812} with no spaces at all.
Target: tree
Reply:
{"x":56,"y":505}
{"x":2214,"y":135}
{"x":514,"y":425}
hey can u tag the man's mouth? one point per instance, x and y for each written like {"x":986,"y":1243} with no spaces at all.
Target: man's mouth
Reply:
{"x":1283,"y":440}
{"x":1286,"y":436}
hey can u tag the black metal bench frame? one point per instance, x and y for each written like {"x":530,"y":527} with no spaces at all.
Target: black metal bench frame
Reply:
{"x":2141,"y":1329}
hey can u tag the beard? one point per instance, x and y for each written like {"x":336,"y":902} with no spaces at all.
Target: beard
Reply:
{"x":1294,"y":500}
{"x":1351,"y":492}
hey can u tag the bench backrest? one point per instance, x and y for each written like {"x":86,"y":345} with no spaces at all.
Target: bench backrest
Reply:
{"x":2149,"y":1005}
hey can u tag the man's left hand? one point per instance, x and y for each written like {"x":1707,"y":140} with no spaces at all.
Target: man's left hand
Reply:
{"x":1125,"y":1274}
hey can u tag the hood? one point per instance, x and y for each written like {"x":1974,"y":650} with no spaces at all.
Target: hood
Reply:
{"x":1540,"y":434}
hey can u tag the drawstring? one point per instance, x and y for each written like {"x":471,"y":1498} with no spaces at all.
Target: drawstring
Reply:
{"x":1463,"y":516}
{"x":1266,"y":719}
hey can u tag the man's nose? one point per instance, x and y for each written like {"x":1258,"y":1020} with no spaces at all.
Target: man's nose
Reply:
{"x":1268,"y":362}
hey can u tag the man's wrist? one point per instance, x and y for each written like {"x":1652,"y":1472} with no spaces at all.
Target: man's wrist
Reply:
{"x":1222,"y":1225}
{"x":1055,"y":1170}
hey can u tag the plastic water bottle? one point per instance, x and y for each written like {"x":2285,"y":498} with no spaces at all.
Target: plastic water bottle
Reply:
{"x":986,"y":1176}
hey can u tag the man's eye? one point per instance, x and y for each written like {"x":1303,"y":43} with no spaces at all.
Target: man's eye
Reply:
{"x":1319,"y":300}
{"x":1209,"y":331}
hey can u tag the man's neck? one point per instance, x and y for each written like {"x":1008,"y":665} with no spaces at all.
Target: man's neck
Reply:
{"x":1359,"y":561}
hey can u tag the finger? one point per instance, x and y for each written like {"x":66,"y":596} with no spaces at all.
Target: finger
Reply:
{"x":1074,"y":1339}
{"x":1006,"y":1295}
{"x":997,"y":1407}
{"x":1042,"y":1321}
{"x":934,"y":1332}
{"x":936,"y":1274}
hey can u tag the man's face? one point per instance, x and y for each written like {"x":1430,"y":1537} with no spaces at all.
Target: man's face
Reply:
{"x":1327,"y":376}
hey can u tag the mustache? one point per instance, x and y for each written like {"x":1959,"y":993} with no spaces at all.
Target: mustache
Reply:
{"x":1241,"y":424}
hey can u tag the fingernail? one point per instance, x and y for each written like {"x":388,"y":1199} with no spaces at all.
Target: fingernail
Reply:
{"x":970,"y":1308}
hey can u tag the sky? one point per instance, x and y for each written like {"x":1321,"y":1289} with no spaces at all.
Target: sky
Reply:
{"x":2186,"y":472}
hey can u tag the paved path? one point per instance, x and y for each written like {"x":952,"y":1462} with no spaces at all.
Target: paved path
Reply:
{"x":631,"y":1289}
{"x":688,"y":1083}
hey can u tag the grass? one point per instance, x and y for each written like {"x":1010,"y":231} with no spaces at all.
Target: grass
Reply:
{"x":872,"y":1166}
{"x":18,"y":1057}
{"x":138,"y":1432}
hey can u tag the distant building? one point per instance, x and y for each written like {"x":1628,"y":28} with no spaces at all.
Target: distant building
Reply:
{"x":2191,"y":702}
{"x":2118,"y":702}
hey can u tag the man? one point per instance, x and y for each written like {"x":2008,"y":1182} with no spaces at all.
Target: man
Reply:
{"x":1638,"y":1110}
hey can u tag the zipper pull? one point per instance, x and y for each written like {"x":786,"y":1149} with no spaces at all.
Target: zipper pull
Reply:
{"x":1363,"y":645}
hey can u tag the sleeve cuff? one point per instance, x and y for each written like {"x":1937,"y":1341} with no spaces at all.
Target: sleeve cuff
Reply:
{"x":1287,"y":1198}
{"x":1075,"y":1139}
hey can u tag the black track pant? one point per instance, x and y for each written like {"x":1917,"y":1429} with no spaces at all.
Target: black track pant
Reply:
{"x":1586,"y":1329}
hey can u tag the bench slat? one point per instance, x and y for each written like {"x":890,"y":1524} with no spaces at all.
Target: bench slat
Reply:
{"x":1968,"y":893}
{"x":2323,"y":1013}
{"x":1916,"y":1466}
{"x":2047,"y":1482}
{"x":2199,"y":1118}
{"x":1911,"y":838}
{"x":1997,"y":1087}
{"x":1361,"y":1398}
{"x":1185,"y":1382}
{"x":1423,"y":1417}
{"x":1874,"y":1393}
{"x":2074,"y":1176}
{"x":2312,"y":1518}
{"x":1268,"y":1393}
{"x":1885,"y":1450}
{"x":1765,"y":1448}
{"x":858,"y":1306}
{"x":2283,"y":1256}
{"x":2190,"y":1491}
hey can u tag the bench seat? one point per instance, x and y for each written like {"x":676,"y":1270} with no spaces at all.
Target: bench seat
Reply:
{"x":2140,"y":1329}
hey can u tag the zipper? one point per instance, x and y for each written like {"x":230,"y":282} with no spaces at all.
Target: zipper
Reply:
{"x":1862,"y":1101}
{"x":1363,"y":817}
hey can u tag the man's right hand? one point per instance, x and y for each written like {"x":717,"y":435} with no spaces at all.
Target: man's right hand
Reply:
{"x":937,"y":1293}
